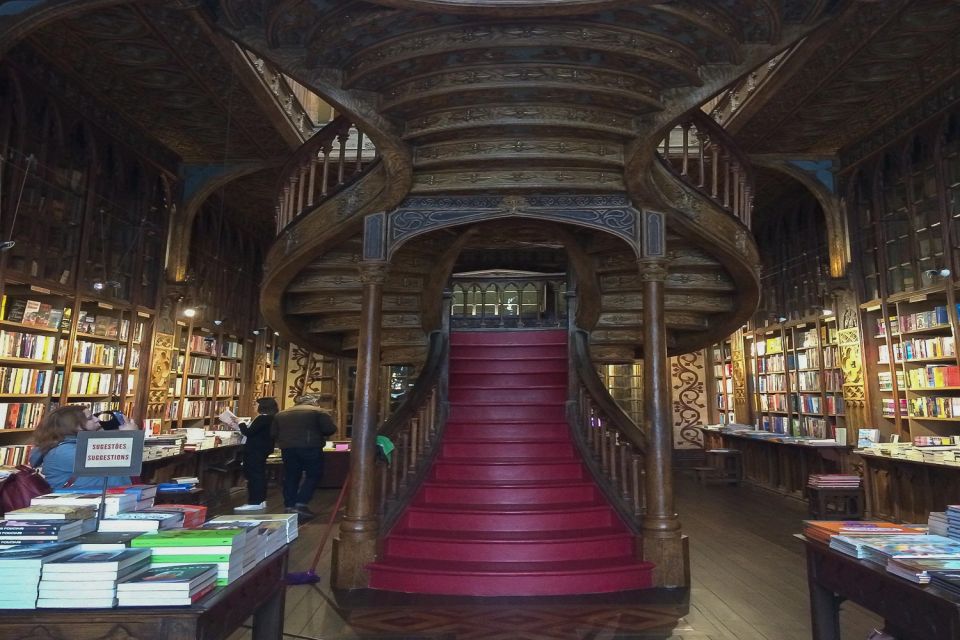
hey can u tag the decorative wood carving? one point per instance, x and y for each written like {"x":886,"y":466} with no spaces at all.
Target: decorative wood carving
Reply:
{"x":688,"y":378}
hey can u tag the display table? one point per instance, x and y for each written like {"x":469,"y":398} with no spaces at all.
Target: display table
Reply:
{"x":781,"y":466}
{"x":217,"y":468}
{"x":261,"y":592}
{"x":911,"y":611}
{"x":908,"y":490}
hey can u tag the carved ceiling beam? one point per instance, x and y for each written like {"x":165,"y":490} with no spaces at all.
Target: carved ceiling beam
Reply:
{"x":646,"y":53}
{"x":496,"y":117}
{"x":486,"y":179}
{"x":567,"y":151}
{"x":634,"y":92}
{"x":330,"y":302}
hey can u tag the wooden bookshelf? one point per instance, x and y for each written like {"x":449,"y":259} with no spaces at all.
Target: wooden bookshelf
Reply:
{"x":722,"y":398}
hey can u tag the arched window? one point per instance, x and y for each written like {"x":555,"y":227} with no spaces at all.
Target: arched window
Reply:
{"x":458,"y":302}
{"x":510,"y":300}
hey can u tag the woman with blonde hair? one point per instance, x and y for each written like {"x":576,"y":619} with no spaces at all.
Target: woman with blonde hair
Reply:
{"x":55,"y":447}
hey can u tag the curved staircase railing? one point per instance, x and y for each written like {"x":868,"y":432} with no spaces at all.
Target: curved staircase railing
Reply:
{"x":415,"y":428}
{"x":326,"y":163}
{"x":614,"y":446}
{"x":699,"y":152}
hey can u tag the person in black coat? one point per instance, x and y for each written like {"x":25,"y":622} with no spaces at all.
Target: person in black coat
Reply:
{"x":258,"y":446}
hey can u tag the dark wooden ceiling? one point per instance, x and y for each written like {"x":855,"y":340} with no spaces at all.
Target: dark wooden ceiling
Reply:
{"x":856,"y":75}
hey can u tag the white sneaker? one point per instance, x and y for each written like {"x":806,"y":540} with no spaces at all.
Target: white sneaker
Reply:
{"x":252,"y":507}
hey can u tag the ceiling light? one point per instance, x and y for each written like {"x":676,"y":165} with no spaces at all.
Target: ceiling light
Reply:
{"x":189,"y":312}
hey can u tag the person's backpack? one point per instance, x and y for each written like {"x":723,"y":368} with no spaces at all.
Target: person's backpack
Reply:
{"x":21,"y":486}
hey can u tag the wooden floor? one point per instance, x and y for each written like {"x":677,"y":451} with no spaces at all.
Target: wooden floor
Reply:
{"x":749,"y":583}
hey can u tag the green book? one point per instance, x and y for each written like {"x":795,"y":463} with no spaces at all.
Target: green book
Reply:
{"x":189,"y":538}
{"x":192,"y":558}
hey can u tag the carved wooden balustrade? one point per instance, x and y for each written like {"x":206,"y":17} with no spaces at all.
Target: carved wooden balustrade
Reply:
{"x":702,"y":154}
{"x":285,"y":96}
{"x":329,"y":161}
{"x":612,"y":444}
{"x":725,"y":106}
{"x":415,"y":428}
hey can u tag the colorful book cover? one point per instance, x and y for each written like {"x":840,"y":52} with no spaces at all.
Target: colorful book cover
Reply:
{"x":30,"y":311}
{"x":189,"y":537}
{"x":107,"y":560}
{"x":12,"y":556}
{"x":184,"y":574}
{"x":15,"y":310}
{"x":55,"y":318}
{"x":100,"y":325}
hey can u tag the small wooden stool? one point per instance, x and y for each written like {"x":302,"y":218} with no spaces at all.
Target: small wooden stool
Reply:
{"x":835,"y":504}
{"x":723,"y":466}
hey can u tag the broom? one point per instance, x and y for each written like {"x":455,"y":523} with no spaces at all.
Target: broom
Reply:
{"x":310,"y":575}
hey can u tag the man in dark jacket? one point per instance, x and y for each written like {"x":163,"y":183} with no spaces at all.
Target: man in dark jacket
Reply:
{"x":301,"y":433}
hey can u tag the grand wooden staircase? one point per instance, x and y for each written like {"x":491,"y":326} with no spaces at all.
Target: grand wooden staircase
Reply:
{"x":508,"y":507}
{"x":533,"y":129}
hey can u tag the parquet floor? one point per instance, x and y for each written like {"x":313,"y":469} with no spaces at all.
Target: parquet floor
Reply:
{"x":749,"y":583}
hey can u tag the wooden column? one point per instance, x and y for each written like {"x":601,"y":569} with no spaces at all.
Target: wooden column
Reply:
{"x":356,"y":546}
{"x":663,"y":543}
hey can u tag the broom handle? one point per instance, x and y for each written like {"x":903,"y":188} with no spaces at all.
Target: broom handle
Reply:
{"x":333,"y":516}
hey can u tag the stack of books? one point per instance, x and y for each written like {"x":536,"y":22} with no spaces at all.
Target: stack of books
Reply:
{"x":288,"y":522}
{"x":824,"y":530}
{"x":899,"y":548}
{"x":20,"y":570}
{"x":946,"y":580}
{"x":937,"y":522}
{"x":145,"y":494}
{"x":919,"y":569}
{"x":53,"y":512}
{"x":953,"y":521}
{"x":150,"y":519}
{"x":253,"y":544}
{"x":833,"y":481}
{"x":194,"y":515}
{"x":114,"y":503}
{"x":56,"y":530}
{"x":180,"y":585}
{"x":858,"y":545}
{"x":224,"y":547}
{"x":88,"y":579}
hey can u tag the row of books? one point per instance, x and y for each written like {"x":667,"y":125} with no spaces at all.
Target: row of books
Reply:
{"x":32,"y":346}
{"x":228,"y":369}
{"x":934,"y":376}
{"x":772,"y":364}
{"x":932,"y":319}
{"x":918,"y":349}
{"x":191,"y":408}
{"x":198,"y":365}
{"x":888,"y":406}
{"x":200,"y":343}
{"x":31,"y":312}
{"x":92,"y":383}
{"x":773,"y":402}
{"x":21,"y":415}
{"x":14,"y":454}
{"x":885,"y":380}
{"x":23,"y":381}
{"x":805,"y":380}
{"x":772,"y":382}
{"x":934,"y":407}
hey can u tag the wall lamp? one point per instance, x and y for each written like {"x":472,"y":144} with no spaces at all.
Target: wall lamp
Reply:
{"x":941,"y":273}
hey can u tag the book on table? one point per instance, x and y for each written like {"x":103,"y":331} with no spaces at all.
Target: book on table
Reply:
{"x":823,"y":530}
{"x":98,"y":561}
{"x":53,"y":512}
{"x":919,"y":569}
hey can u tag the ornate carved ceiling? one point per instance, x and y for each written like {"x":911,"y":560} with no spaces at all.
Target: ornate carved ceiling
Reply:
{"x":515,"y":94}
{"x":859,"y":74}
{"x":160,"y":69}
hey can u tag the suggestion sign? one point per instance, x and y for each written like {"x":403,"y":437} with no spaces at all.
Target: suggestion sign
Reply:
{"x":109,"y":453}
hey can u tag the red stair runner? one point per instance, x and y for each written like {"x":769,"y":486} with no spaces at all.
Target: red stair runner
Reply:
{"x":508,"y":508}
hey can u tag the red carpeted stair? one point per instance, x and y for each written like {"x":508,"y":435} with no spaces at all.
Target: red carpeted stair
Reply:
{"x":508,"y":507}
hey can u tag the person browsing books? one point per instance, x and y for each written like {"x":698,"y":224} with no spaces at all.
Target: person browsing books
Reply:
{"x":55,"y":447}
{"x":258,"y":446}
{"x":301,"y":433}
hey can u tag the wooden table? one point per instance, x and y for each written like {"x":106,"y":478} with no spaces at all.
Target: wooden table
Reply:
{"x":261,"y":592}
{"x":911,"y":611}
{"x":782,"y":466}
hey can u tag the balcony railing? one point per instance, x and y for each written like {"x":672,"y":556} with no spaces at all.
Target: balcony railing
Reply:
{"x":699,"y":152}
{"x":337,"y":155}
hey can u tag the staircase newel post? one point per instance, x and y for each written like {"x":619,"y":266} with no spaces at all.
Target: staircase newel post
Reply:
{"x":443,"y":384}
{"x":573,"y":408}
{"x":356,"y":546}
{"x":662,"y":539}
